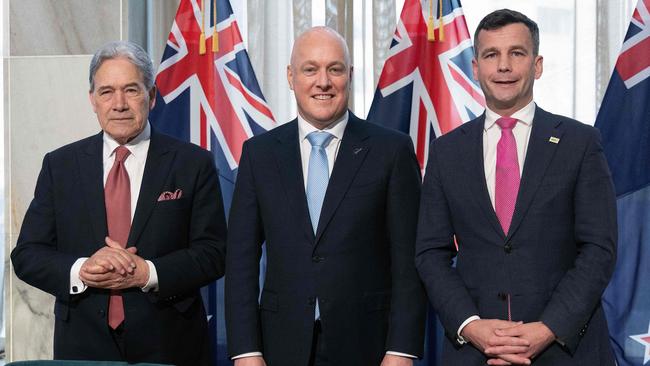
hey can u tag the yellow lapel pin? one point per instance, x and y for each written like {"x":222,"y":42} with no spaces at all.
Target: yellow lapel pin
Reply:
{"x":554,"y":139}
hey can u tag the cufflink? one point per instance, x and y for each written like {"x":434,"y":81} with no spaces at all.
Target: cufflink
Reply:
{"x":75,"y":289}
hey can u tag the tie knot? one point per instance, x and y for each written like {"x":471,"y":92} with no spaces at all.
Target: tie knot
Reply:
{"x":121,"y":153}
{"x":319,"y":138}
{"x":507,"y":123}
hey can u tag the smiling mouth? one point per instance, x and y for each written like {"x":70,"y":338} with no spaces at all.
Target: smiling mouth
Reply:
{"x":505,"y":82}
{"x":323,"y":96}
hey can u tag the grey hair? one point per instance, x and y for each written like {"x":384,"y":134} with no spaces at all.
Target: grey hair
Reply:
{"x":123,"y":49}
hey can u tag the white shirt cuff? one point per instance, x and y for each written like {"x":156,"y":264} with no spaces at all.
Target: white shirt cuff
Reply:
{"x":76,"y":284}
{"x":400,"y":354}
{"x":460,"y":338}
{"x":249,"y":354}
{"x":152,"y":283}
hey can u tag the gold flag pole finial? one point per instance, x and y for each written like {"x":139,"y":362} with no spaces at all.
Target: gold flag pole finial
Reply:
{"x":215,"y":35}
{"x":202,"y":37}
{"x":441,"y":33}
{"x":431,"y":35}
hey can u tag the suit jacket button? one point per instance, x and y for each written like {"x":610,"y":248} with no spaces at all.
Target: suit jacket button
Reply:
{"x":101,"y":313}
{"x":317,"y":259}
{"x":507,"y":248}
{"x":502,"y":296}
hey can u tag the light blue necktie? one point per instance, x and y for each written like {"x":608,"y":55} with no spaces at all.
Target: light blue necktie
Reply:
{"x":317,"y":174}
{"x":317,"y":179}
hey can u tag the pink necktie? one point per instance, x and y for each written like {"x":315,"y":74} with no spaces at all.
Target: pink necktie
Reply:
{"x":117,"y":197}
{"x":507,"y":173}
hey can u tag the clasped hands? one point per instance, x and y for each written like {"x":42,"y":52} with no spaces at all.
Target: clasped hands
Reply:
{"x":116,"y":268}
{"x":506,"y":342}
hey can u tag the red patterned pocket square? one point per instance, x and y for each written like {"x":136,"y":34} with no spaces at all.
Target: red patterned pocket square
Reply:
{"x":167,"y":195}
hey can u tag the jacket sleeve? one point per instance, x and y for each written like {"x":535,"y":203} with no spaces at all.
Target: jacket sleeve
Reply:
{"x":408,"y":300}
{"x":35,"y":258}
{"x":242,"y":263}
{"x":578,"y":294}
{"x":201,"y":261}
{"x":435,"y":251}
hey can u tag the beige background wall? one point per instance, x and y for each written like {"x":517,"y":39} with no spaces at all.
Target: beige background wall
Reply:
{"x":46,"y":106}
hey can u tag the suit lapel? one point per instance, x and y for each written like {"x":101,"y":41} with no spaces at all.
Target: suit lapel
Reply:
{"x":351,"y":154}
{"x":538,"y":156}
{"x":156,"y":170}
{"x":290,"y":167}
{"x":91,"y":173}
{"x":475,"y":170}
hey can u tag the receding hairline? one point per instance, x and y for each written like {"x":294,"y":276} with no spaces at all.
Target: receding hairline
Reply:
{"x":324,"y":30}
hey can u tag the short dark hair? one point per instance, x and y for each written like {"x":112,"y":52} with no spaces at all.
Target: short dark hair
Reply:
{"x":500,"y":18}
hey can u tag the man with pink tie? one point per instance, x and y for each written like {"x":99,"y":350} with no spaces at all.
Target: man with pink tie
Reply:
{"x":528,"y":198}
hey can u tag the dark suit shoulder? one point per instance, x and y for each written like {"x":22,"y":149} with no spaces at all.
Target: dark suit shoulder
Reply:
{"x":460,"y":134}
{"x":91,"y":144}
{"x":281,"y":132}
{"x":183,"y":147}
{"x":570,"y":126}
{"x":375,"y":130}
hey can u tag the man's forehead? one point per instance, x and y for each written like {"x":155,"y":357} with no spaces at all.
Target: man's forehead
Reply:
{"x":316,"y":42}
{"x":505,"y":37}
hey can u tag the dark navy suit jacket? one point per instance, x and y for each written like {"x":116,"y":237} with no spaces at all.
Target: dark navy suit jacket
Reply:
{"x":359,"y":264}
{"x":555,"y":261}
{"x":184,"y":238}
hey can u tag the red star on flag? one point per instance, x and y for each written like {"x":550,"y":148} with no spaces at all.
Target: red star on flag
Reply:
{"x":644,"y":339}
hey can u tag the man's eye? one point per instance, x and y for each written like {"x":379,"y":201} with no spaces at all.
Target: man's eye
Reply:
{"x":337,"y":70}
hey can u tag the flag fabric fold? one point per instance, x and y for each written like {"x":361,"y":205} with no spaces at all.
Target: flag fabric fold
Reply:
{"x":208,"y":95}
{"x":624,"y":122}
{"x":426,"y":89}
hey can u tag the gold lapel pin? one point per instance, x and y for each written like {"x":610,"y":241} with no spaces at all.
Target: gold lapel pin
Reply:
{"x":554,"y":139}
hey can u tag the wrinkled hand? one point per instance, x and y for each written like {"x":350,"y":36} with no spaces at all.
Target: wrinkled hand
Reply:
{"x":250,"y":361}
{"x":113,"y":267}
{"x":484,"y":335}
{"x":537,"y":334}
{"x":394,"y":360}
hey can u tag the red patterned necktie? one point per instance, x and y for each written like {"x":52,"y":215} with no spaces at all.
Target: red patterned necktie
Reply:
{"x":117,"y":197}
{"x":507,"y":173}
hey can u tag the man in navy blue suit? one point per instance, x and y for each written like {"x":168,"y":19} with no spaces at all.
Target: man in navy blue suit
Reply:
{"x":528,"y":197}
{"x":124,"y":229}
{"x":336,"y":200}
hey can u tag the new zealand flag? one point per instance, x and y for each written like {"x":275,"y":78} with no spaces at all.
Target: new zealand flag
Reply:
{"x":624,"y":121}
{"x":426,"y":89}
{"x":208,"y":95}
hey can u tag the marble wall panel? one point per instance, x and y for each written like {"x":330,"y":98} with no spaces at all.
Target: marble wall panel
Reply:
{"x":63,"y":27}
{"x":48,"y":108}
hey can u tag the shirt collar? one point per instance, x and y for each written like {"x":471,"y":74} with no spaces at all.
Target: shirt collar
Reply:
{"x":524,"y":115}
{"x":337,"y":128}
{"x":138,"y":146}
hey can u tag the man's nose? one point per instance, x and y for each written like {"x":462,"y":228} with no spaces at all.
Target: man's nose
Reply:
{"x":323,"y":80}
{"x":504,"y":63}
{"x":119,"y":101}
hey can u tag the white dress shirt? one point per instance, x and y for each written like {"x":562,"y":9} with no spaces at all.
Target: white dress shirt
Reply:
{"x":332,"y":149}
{"x":134,"y":165}
{"x":491,"y":136}
{"x":336,"y":129}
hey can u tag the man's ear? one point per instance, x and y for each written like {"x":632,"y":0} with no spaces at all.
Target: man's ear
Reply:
{"x":290,"y":76}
